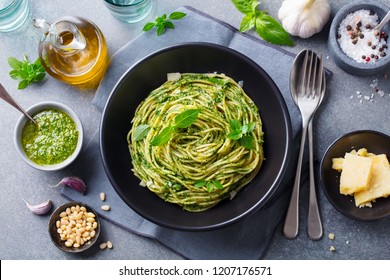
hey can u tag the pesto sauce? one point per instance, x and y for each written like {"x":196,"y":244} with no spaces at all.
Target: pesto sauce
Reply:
{"x":53,"y":141}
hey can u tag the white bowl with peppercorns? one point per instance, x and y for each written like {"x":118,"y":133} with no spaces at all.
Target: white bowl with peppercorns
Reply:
{"x":354,"y":44}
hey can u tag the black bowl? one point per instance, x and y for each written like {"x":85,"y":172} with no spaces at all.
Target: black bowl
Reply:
{"x":150,"y":73}
{"x":375,"y":142}
{"x":54,"y":236}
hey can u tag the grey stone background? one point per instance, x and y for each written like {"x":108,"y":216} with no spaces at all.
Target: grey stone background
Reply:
{"x":24,"y":235}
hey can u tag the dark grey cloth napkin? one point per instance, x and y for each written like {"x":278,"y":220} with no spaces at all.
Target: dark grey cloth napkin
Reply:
{"x":247,"y":239}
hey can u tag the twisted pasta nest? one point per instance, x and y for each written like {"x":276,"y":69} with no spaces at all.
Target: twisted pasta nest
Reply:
{"x":201,"y":152}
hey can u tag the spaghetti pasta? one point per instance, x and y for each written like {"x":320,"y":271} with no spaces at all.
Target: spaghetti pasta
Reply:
{"x":198,"y":166}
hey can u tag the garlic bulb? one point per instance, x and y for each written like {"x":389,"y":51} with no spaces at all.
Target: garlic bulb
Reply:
{"x":304,"y":18}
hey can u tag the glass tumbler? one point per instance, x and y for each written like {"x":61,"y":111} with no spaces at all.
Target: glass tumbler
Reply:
{"x":13,"y":13}
{"x":129,"y":10}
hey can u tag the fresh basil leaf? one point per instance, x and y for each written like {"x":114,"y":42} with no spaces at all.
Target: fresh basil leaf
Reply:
{"x":217,"y":81}
{"x":164,"y":136}
{"x":14,"y":63}
{"x":200,"y":183}
{"x":210,"y":186}
{"x":251,"y":126}
{"x":246,"y":128}
{"x":177,"y":15}
{"x":14,"y":74}
{"x":38,"y":62}
{"x":254,"y":5}
{"x":169,"y":24}
{"x":248,"y":22}
{"x":23,"y":84}
{"x":24,"y":74}
{"x":244,"y":6}
{"x":186,"y":118}
{"x":141,"y":132}
{"x":234,"y":135}
{"x":235,"y":125}
{"x":247,"y":141}
{"x":271,"y":30}
{"x":217,"y":184}
{"x":38,"y":77}
{"x":164,"y":17}
{"x":148,"y":26}
{"x":160,"y":29}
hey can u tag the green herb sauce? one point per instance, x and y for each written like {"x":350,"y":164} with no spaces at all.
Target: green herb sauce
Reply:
{"x":53,"y":141}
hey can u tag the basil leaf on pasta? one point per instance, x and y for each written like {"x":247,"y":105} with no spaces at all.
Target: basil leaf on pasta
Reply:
{"x":141,"y":131}
{"x":186,"y":118}
{"x":163,"y":137}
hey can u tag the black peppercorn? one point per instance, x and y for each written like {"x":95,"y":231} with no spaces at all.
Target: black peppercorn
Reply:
{"x":338,"y":36}
{"x":368,"y":26}
{"x":363,"y":56}
{"x":349,"y":28}
{"x":372,"y":55}
{"x":373,"y":47}
{"x":369,"y":43}
{"x":383,"y":54}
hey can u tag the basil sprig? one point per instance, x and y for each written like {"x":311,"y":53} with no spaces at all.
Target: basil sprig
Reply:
{"x":210,"y":185}
{"x":242,"y":133}
{"x":182,"y":120}
{"x":265,"y":25}
{"x":163,"y":22}
{"x":26,"y":72}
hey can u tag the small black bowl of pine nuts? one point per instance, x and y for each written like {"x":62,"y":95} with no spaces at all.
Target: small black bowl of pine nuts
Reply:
{"x":74,"y":227}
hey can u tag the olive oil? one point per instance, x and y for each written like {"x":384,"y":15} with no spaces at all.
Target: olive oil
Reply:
{"x":73,"y":50}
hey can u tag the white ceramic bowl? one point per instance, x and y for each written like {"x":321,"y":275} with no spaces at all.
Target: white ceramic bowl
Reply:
{"x":31,"y":111}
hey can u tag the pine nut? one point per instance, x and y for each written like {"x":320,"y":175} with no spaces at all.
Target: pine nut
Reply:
{"x":109,"y":244}
{"x":76,"y":226}
{"x":91,"y":215}
{"x":106,"y":207}
{"x":103,"y":246}
{"x":102,"y":196}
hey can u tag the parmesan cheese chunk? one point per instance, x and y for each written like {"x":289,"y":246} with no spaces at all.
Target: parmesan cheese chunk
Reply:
{"x":356,"y":173}
{"x":379,"y":184}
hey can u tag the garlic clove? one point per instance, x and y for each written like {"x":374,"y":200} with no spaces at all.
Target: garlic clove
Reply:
{"x":304,"y":18}
{"x":41,"y":208}
{"x":74,"y":182}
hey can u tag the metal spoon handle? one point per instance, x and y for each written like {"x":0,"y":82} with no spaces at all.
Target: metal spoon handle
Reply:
{"x":291,"y":224}
{"x":383,"y":22}
{"x":314,"y":224}
{"x":6,"y":97}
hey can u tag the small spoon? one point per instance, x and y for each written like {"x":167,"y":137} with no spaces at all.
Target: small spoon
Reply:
{"x":382,"y":23}
{"x":7,"y":97}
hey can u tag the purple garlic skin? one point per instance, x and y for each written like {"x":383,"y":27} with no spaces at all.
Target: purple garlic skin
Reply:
{"x":41,"y":208}
{"x":74,"y":182}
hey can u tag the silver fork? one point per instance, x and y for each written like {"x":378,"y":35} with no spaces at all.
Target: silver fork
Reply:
{"x":308,"y":98}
